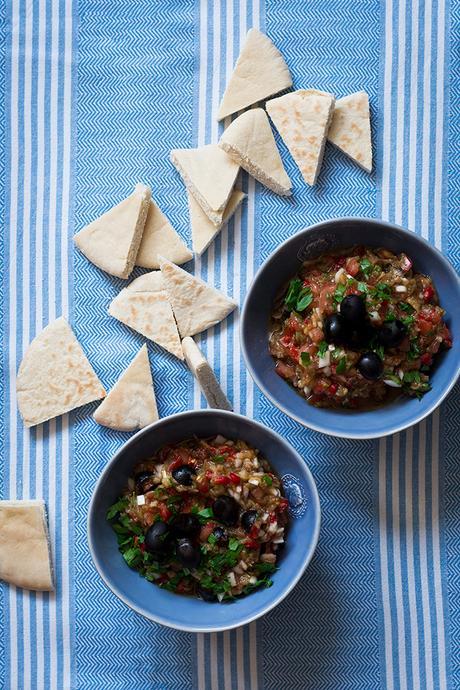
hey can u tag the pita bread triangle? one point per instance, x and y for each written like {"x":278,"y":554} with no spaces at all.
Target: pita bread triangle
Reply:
{"x":131,"y":403}
{"x":350,"y":128}
{"x":203,"y":230}
{"x":303,"y":118}
{"x":25,"y":559}
{"x":144,"y":306}
{"x":55,"y":376}
{"x":160,"y":238}
{"x":197,"y":306}
{"x":250,"y":142}
{"x":260,"y":72}
{"x":111,"y":242}
{"x":209,"y":174}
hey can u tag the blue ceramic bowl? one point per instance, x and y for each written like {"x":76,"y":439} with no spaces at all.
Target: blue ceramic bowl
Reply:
{"x":284,"y":263}
{"x":187,"y":613}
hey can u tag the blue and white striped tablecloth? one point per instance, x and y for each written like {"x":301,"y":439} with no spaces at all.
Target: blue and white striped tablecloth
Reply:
{"x":94,"y":94}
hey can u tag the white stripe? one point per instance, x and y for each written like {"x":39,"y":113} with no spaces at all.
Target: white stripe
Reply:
{"x":387,"y":124}
{"x":400,"y":169}
{"x":411,"y":563}
{"x":14,"y":185}
{"x":440,"y":629}
{"x":397,"y":562}
{"x":428,"y":655}
{"x":249,"y":275}
{"x":426,"y":135}
{"x":384,"y":565}
{"x":51,"y":661}
{"x":200,"y":661}
{"x":439,"y":148}
{"x":413,"y":115}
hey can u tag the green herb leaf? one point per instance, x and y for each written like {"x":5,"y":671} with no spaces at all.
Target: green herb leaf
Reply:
{"x":212,"y":539}
{"x":390,"y":316}
{"x":366,"y":267}
{"x":117,"y":507}
{"x":133,"y":557}
{"x":339,"y":292}
{"x":218,"y":458}
{"x":414,"y":351}
{"x":362,"y":287}
{"x":267,"y":479}
{"x":206,"y":513}
{"x":381,"y":292}
{"x":233,"y":544}
{"x":341,"y":366}
{"x":305,"y":359}
{"x":305,"y":299}
{"x":322,"y":348}
{"x":405,"y":306}
{"x":292,"y":295}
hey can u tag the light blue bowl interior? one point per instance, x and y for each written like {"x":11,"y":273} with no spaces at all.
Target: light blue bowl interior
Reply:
{"x":283,"y":265}
{"x":183,"y":612}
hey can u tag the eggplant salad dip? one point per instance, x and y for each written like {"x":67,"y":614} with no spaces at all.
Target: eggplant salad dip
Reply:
{"x":356,"y":328}
{"x":205,"y":517}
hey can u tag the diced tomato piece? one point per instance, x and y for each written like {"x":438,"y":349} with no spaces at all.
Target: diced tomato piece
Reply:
{"x":142,"y":547}
{"x":430,"y":313}
{"x":206,"y":531}
{"x":325,"y":298}
{"x":251,"y":544}
{"x":284,"y":504}
{"x":321,"y":386}
{"x":222,"y":479}
{"x":284,"y":370}
{"x":306,"y":282}
{"x":424,"y":326}
{"x":316,"y":334}
{"x":164,"y":511}
{"x":203,"y":487}
{"x":428,"y":294}
{"x":208,"y":474}
{"x":234,"y":478}
{"x":332,"y":390}
{"x":273,"y":518}
{"x":254,"y":533}
{"x":426,"y":359}
{"x":352,"y":266}
{"x":181,"y":586}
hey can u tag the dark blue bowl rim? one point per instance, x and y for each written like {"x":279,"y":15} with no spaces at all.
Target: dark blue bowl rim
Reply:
{"x":284,"y":591}
{"x":324,"y":225}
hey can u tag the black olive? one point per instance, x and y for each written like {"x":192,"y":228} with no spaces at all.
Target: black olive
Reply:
{"x":353,"y":309}
{"x":188,"y":554}
{"x":335,"y":329}
{"x":142,"y":483}
{"x":226,"y":510}
{"x":185,"y":525}
{"x":392,"y":333}
{"x":184,"y":474}
{"x":370,"y":366}
{"x":156,"y":538}
{"x":248,"y":519}
{"x":206,"y":594}
{"x":221,"y":535}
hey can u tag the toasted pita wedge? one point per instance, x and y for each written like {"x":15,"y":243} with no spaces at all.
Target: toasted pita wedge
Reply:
{"x":160,"y":238}
{"x":25,"y":559}
{"x":55,"y":376}
{"x":260,"y":72}
{"x":303,"y":118}
{"x":144,"y":306}
{"x":209,"y":174}
{"x":203,"y":230}
{"x":199,"y":366}
{"x":250,"y":142}
{"x":131,"y":403}
{"x":350,"y":128}
{"x":197,"y":306}
{"x":111,"y":242}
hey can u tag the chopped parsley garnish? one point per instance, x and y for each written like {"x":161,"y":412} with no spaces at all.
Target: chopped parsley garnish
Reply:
{"x":298,"y":297}
{"x":341,"y":366}
{"x":218,"y":458}
{"x":414,"y":351}
{"x":212,"y":539}
{"x":322,"y":348}
{"x":408,"y":321}
{"x":267,"y":479}
{"x":390,"y":316}
{"x":405,"y":306}
{"x":205,"y":513}
{"x":362,"y":287}
{"x":233,"y":544}
{"x":305,"y":359}
{"x":133,"y":557}
{"x":339,"y":293}
{"x":381,"y":292}
{"x":116,"y":508}
{"x":366,"y":267}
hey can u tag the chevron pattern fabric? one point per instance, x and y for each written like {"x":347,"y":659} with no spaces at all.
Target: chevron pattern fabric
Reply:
{"x":94,"y":95}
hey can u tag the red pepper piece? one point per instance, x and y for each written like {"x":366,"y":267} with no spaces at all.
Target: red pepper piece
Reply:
{"x":234,"y":478}
{"x":222,"y":479}
{"x":164,"y":511}
{"x":273,"y":518}
{"x":254,"y":533}
{"x":203,"y":487}
{"x":426,"y":359}
{"x":332,"y":390}
{"x":251,"y":544}
{"x":428,"y":294}
{"x":209,"y":474}
{"x":284,"y":504}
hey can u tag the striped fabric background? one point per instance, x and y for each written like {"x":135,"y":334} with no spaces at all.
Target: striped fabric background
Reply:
{"x":94,"y":96}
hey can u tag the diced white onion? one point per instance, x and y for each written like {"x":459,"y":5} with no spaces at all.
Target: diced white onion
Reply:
{"x":140,"y":500}
{"x":339,"y":274}
{"x":392,"y":384}
{"x":331,"y":348}
{"x":252,"y":580}
{"x":238,"y":489}
{"x":374,"y":316}
{"x":278,"y":541}
{"x":273,"y":527}
{"x":232,"y":578}
{"x":325,"y":360}
{"x":220,"y":596}
{"x":219,"y":440}
{"x":255,"y":482}
{"x":401,"y":374}
{"x":307,"y":390}
{"x":400,"y":288}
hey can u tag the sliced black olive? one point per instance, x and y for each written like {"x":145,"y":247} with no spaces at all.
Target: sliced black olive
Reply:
{"x":370,"y":366}
{"x":144,"y":482}
{"x":185,"y":525}
{"x":221,"y":535}
{"x":184,"y":475}
{"x":206,"y":594}
{"x":392,"y":333}
{"x":248,"y":518}
{"x":335,"y":329}
{"x":353,"y":309}
{"x":188,"y":554}
{"x":226,"y":510}
{"x":156,"y":538}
